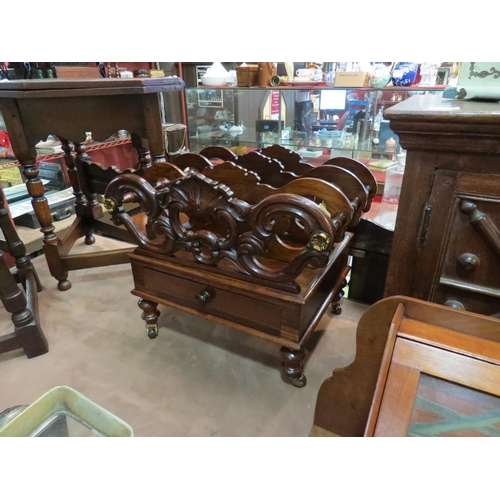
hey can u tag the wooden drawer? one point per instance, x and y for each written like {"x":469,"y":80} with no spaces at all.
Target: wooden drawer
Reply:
{"x":206,"y":298}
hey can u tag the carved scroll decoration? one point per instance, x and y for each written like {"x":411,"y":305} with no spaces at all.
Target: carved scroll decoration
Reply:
{"x":201,"y":215}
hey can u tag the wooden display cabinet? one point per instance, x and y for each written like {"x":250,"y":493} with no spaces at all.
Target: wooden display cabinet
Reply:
{"x":446,"y":245}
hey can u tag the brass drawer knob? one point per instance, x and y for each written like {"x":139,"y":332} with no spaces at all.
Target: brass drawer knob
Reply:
{"x":204,"y":296}
{"x":468,"y":261}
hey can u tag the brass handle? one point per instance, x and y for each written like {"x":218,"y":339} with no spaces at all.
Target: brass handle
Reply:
{"x":204,"y":296}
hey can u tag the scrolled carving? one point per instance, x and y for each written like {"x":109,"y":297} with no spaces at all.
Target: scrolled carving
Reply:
{"x":198,"y":214}
{"x":144,"y":193}
{"x":276,"y":213}
{"x":212,"y":211}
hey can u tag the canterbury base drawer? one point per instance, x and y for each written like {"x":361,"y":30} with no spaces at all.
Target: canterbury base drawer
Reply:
{"x":240,"y":309}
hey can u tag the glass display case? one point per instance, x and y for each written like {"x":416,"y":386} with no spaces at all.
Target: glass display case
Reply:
{"x":317,"y":121}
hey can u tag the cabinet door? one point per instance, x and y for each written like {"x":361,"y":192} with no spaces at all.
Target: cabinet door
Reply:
{"x":459,"y":255}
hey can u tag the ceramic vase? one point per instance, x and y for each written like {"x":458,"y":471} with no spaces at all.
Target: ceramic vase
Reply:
{"x":404,"y":74}
{"x":380,"y":76}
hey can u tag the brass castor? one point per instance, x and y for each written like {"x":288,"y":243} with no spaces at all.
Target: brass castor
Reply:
{"x":336,"y":308}
{"x":300,"y":381}
{"x":150,"y":316}
{"x":152,"y":331}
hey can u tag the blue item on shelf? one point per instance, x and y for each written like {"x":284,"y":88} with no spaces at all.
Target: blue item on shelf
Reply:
{"x":404,"y":74}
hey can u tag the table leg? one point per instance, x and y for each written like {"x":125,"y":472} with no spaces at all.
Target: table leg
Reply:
{"x":93,"y":209}
{"x":27,"y":331}
{"x":42,"y":211}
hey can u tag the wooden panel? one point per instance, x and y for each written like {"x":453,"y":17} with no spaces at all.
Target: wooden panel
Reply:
{"x":344,"y":400}
{"x":397,"y":402}
{"x":445,"y":409}
{"x":432,"y":240}
{"x":486,"y":350}
{"x":77,"y":72}
{"x":448,"y":365}
{"x":453,"y":319}
{"x":384,"y":369}
{"x":419,"y":172}
{"x":479,"y":243}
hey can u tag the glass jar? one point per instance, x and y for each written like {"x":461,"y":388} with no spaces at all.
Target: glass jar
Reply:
{"x":392,"y":191}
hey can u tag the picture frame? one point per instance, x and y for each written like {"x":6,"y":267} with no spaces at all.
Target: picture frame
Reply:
{"x":443,"y":75}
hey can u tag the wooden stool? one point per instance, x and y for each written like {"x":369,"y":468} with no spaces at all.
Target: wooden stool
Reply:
{"x":67,"y":108}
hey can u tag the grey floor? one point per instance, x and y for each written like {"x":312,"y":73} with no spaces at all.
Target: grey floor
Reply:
{"x":195,"y":379}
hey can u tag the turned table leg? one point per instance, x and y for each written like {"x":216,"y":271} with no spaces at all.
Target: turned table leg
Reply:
{"x":150,"y":316}
{"x":292,"y":365}
{"x":42,"y":212}
{"x":27,"y":331}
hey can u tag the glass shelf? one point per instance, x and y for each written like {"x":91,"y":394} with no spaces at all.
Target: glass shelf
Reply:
{"x":292,"y":116}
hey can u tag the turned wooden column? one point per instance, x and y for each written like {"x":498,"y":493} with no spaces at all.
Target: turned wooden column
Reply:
{"x":292,"y":365}
{"x":27,"y":333}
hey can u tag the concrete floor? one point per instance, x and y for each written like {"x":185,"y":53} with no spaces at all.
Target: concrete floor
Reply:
{"x":195,"y":379}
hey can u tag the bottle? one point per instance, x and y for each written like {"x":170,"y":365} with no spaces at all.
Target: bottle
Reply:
{"x":392,"y":191}
{"x":378,"y":119}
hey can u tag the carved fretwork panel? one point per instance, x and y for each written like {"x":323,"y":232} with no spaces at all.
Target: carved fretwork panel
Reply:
{"x":202,"y":216}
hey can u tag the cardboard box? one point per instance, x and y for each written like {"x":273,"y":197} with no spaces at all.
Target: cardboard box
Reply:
{"x":351,"y":79}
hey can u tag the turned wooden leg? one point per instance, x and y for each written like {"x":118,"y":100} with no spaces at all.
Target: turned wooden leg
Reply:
{"x":336,"y":305}
{"x":42,"y":211}
{"x":69,"y":158}
{"x":27,"y":331}
{"x":292,"y":365}
{"x":91,"y":209}
{"x":89,"y":235}
{"x":150,"y":316}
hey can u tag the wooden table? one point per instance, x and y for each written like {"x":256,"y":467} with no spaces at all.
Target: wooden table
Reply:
{"x":68,"y":108}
